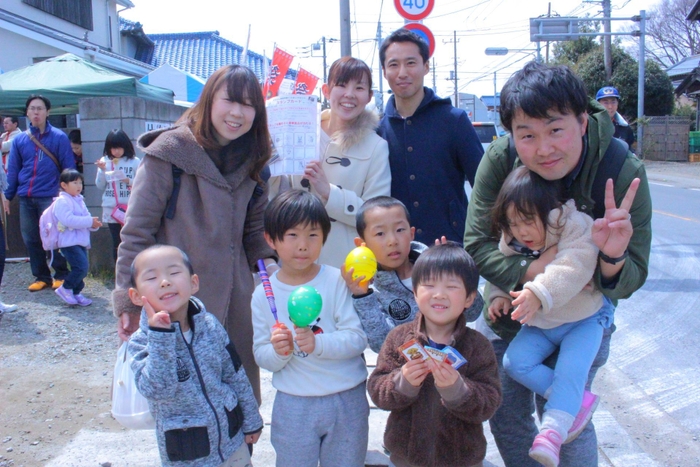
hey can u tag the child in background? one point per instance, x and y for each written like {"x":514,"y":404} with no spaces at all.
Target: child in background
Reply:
{"x":76,"y":144}
{"x":205,"y":409}
{"x":320,"y":411}
{"x":559,"y":308}
{"x":384,"y":226}
{"x":74,"y":226}
{"x":120,"y":163}
{"x":437,"y":411}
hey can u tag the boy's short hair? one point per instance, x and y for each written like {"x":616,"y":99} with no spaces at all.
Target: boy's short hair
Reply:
{"x":384,"y":202}
{"x":538,"y":89}
{"x":404,"y":35}
{"x":292,"y":208}
{"x":185,"y":259}
{"x":447,"y":259}
{"x":75,"y":137}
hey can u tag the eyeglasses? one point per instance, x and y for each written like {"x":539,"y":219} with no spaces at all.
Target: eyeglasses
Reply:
{"x":36,"y":109}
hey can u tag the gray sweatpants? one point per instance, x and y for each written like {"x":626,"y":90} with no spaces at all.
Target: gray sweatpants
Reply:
{"x":331,"y":429}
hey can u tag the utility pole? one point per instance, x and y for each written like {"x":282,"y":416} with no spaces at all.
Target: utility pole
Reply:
{"x":607,"y":41}
{"x":549,"y":15}
{"x":345,"y":45}
{"x":434,"y":78}
{"x":456,"y":79}
{"x":325,"y":78}
{"x":495,"y":104}
{"x":379,"y":99}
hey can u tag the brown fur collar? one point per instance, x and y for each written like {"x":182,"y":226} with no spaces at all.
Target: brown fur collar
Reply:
{"x":366,"y":122}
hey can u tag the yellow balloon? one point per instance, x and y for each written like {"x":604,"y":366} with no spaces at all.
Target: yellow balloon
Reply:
{"x":363,"y":261}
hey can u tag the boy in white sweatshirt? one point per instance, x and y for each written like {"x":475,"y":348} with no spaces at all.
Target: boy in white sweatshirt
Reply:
{"x":320,"y":411}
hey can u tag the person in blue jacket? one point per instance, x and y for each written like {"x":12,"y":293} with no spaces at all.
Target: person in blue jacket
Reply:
{"x":33,"y":176}
{"x":433,"y":147}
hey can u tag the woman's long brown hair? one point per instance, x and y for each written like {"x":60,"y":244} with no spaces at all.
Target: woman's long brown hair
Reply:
{"x":243,"y":87}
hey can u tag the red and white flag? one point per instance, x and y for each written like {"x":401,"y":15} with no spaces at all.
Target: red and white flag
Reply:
{"x":306,"y":82}
{"x":281,"y":61}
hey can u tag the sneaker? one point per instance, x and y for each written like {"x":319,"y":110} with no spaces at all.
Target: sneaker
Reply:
{"x":588,"y":406}
{"x":66,"y":296}
{"x":6,"y":308}
{"x":37,"y":286}
{"x":545,"y":448}
{"x":82,"y":300}
{"x":57,"y":283}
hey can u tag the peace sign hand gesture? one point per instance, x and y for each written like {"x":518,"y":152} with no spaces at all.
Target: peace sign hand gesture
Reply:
{"x":159,"y":319}
{"x":612,"y":233}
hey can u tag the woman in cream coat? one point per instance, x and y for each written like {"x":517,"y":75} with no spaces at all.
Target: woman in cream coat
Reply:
{"x":354,"y":165}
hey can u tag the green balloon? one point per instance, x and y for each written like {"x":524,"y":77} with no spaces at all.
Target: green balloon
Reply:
{"x":304,"y":306}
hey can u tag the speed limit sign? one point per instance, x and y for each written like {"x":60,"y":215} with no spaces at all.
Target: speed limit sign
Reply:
{"x":414,"y":10}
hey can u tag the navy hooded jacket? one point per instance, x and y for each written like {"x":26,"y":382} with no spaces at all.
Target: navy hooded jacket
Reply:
{"x":431,"y":154}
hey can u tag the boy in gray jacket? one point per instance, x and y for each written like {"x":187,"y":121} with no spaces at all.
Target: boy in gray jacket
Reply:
{"x":185,"y":365}
{"x":384,"y":226}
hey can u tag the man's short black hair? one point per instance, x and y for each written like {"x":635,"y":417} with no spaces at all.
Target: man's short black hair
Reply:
{"x":294,"y":208}
{"x":14,"y":119}
{"x":45,"y":100}
{"x":442,"y":260}
{"x":185,"y":259}
{"x":538,"y":89}
{"x":404,"y":35}
{"x":385,"y":202}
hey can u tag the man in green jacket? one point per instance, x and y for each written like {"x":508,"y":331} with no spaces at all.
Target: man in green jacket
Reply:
{"x":562,"y":135}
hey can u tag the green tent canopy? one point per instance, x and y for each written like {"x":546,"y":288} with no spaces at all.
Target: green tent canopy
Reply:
{"x":67,"y":78}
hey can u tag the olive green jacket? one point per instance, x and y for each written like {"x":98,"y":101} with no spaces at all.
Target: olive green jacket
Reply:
{"x":507,"y":272}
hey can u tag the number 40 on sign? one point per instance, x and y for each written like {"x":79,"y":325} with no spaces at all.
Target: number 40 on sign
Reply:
{"x":414,"y":10}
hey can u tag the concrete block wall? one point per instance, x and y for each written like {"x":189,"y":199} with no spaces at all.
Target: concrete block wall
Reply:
{"x":98,"y":116}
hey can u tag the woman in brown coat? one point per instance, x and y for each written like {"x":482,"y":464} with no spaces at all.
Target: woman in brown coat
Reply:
{"x":221,"y":145}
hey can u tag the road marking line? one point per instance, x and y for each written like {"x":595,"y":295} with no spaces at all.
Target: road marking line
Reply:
{"x":674,"y":215}
{"x":660,"y":184}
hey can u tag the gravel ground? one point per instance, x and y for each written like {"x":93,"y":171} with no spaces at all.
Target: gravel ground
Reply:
{"x":56,"y":361}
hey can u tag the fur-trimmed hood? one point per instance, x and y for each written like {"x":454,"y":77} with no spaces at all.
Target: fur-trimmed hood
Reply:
{"x":177,"y":144}
{"x":366,"y":122}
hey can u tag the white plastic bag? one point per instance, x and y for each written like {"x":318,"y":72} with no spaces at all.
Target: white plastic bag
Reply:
{"x":129,"y":407}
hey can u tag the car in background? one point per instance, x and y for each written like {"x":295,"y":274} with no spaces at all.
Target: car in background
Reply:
{"x":487,"y":132}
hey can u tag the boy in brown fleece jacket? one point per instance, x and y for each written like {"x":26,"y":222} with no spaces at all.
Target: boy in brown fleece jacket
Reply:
{"x":437,"y":408}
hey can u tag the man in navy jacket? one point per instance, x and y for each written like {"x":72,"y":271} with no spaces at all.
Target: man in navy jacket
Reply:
{"x":34,"y":177}
{"x":433,"y":148}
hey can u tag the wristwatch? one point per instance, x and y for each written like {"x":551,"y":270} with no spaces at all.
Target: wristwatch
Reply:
{"x":610,"y":260}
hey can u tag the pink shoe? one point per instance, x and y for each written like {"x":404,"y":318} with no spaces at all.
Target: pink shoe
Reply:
{"x":545,"y":448}
{"x":82,"y":300}
{"x":588,"y":406}
{"x":66,"y":295}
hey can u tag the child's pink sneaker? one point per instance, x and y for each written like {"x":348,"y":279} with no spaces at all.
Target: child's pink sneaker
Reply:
{"x":588,"y":406}
{"x":545,"y":448}
{"x":66,"y":295}
{"x":83,"y":300}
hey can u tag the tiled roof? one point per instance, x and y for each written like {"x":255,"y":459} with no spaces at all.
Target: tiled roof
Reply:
{"x":202,"y":53}
{"x":684,"y":67}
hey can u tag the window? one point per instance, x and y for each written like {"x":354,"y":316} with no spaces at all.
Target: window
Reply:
{"x":75,"y":11}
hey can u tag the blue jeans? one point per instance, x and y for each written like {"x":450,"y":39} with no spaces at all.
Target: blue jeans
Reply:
{"x":78,"y":259}
{"x":578,"y":344}
{"x":513,"y":425}
{"x":30,"y":210}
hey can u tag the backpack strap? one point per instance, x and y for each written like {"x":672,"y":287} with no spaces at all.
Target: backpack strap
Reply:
{"x":44,"y":150}
{"x":512,"y":153}
{"x":259,"y":190}
{"x":172,"y":202}
{"x":609,"y":167}
{"x":177,"y":172}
